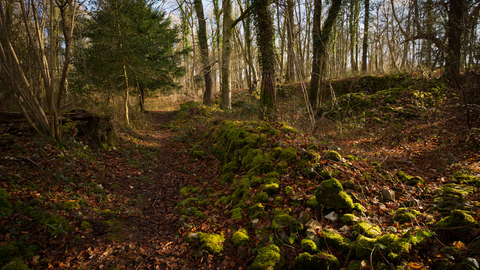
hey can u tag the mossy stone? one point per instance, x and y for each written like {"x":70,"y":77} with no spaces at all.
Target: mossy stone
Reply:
{"x":457,"y":218}
{"x":332,"y":155}
{"x":256,"y":211}
{"x":277,"y":201}
{"x":271,"y":188}
{"x":367,"y":229}
{"x":70,"y":205}
{"x":255,"y":181}
{"x":288,"y":190}
{"x":321,"y":260}
{"x":85,"y":225}
{"x":410,"y":180}
{"x":349,"y":219}
{"x":269,"y":257}
{"x":236,"y":213}
{"x":289,"y":155}
{"x":184,"y":190}
{"x":404,"y":215}
{"x":364,"y":247}
{"x":358,"y":208}
{"x":281,"y":167}
{"x":330,"y":194}
{"x":240,"y":238}
{"x":331,"y":238}
{"x":15,"y":249}
{"x":260,"y":197}
{"x":313,"y":203}
{"x":222,"y":200}
{"x":459,"y":177}
{"x":213,"y":243}
{"x":15,"y":264}
{"x":309,"y":246}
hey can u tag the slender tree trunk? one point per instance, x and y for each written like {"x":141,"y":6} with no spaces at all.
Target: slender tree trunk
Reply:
{"x":321,"y":38}
{"x":203,"y":42}
{"x":125,"y":103}
{"x":290,"y":73}
{"x":365,"y":36}
{"x":226,"y":54}
{"x":454,"y":33}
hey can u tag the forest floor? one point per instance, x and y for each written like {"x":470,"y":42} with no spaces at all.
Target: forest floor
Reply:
{"x":72,"y":205}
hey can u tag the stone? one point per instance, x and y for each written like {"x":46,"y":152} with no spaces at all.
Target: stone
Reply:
{"x":388,"y":194}
{"x":332,"y":216}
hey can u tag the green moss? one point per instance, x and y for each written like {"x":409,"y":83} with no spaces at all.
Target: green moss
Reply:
{"x":357,"y":207}
{"x":289,"y":155}
{"x":277,"y":201}
{"x":70,"y":205}
{"x":410,"y":180}
{"x":350,"y":158}
{"x":277,"y":152}
{"x":367,"y":229}
{"x":255,"y":181}
{"x":240,"y":238}
{"x":269,"y":257}
{"x":212,"y":243}
{"x":223,"y":200}
{"x":85,"y":225}
{"x":271,"y":188}
{"x":460,"y":178}
{"x":256,"y":211}
{"x":321,"y":260}
{"x":229,"y":167}
{"x":260,"y":197}
{"x":204,"y":202}
{"x":272,"y":177}
{"x":312,"y":146}
{"x":107,"y":212}
{"x":184,"y":191}
{"x":313,"y":203}
{"x":331,"y":238}
{"x":15,"y":249}
{"x":236,"y":213}
{"x":15,"y":264}
{"x":5,"y":205}
{"x":457,"y":218}
{"x":364,"y":247}
{"x":287,"y":129}
{"x":281,"y":167}
{"x":332,"y":155}
{"x":349,"y":218}
{"x":330,"y":194}
{"x":404,"y":215}
{"x":288,"y":190}
{"x":309,"y":246}
{"x":197,"y":152}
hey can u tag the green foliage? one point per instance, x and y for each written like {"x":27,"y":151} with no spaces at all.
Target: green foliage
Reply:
{"x":5,"y":206}
{"x":15,"y":249}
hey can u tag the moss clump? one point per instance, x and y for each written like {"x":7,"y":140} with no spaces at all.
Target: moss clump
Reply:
{"x":277,"y":201}
{"x":460,"y":178}
{"x":410,"y":180}
{"x":331,"y":238}
{"x":240,"y":238}
{"x":330,"y":194}
{"x":277,"y":152}
{"x":367,"y":229}
{"x":396,"y":246}
{"x":281,"y":167}
{"x":271,"y":188}
{"x":236,"y":213}
{"x":5,"y":205}
{"x":184,"y":191}
{"x":321,"y":260}
{"x":256,"y":211}
{"x":70,"y":205}
{"x":197,"y":151}
{"x":15,"y":249}
{"x":364,"y":247}
{"x":255,"y":181}
{"x":457,"y":218}
{"x":85,"y":225}
{"x":288,"y":190}
{"x":349,"y":218}
{"x":313,"y":203}
{"x":205,"y":202}
{"x":268,"y":257}
{"x":223,"y":200}
{"x":332,"y":155}
{"x":272,"y":177}
{"x":404,"y":215}
{"x":213,"y":243}
{"x":289,"y":155}
{"x":358,"y":208}
{"x":15,"y":264}
{"x":309,"y":246}
{"x":260,"y":197}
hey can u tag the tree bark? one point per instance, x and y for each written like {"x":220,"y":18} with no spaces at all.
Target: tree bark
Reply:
{"x":365,"y":37}
{"x":455,"y":29}
{"x":321,"y":38}
{"x":203,"y":43}
{"x":290,"y":72}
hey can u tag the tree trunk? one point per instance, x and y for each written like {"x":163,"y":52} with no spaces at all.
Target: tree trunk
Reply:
{"x":265,"y":42}
{"x":290,"y":73}
{"x":202,"y":40}
{"x":226,"y":54}
{"x":454,"y":33}
{"x":321,"y":38}
{"x":365,"y":36}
